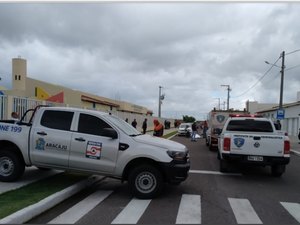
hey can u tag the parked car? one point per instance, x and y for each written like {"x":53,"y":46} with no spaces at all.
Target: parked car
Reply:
{"x":185,"y":129}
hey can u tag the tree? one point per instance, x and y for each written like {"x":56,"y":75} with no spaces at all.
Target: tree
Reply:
{"x":188,"y":119}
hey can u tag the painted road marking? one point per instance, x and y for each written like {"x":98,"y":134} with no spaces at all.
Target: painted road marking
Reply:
{"x":293,"y":209}
{"x":214,"y":173}
{"x":132,"y":212}
{"x":243,"y":211}
{"x":76,"y":212}
{"x":189,"y":210}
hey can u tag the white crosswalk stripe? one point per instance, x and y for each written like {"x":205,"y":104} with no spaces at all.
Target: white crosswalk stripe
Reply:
{"x":243,"y":211}
{"x":189,"y":210}
{"x":293,"y":209}
{"x":80,"y":209}
{"x":132,"y":212}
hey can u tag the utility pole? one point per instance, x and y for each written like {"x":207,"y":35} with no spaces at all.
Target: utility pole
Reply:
{"x":160,"y":98}
{"x":219,"y":105}
{"x":228,"y":90}
{"x":282,"y":77}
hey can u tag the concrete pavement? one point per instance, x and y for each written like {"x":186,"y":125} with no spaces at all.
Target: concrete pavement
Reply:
{"x":31,"y":175}
{"x":295,"y":146}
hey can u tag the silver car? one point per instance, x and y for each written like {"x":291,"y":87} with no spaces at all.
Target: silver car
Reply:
{"x":185,"y":129}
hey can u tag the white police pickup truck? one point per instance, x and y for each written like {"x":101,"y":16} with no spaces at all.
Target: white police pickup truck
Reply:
{"x":254,"y":141}
{"x":93,"y":142}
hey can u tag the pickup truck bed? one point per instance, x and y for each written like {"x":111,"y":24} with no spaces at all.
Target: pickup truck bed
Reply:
{"x":253,"y":141}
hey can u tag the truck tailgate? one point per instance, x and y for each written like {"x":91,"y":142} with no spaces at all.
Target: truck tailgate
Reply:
{"x":254,"y":144}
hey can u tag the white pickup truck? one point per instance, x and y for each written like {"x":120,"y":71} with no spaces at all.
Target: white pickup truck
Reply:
{"x":93,"y":142}
{"x":253,"y":141}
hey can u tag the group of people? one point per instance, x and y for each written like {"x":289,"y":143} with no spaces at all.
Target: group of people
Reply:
{"x":158,"y":127}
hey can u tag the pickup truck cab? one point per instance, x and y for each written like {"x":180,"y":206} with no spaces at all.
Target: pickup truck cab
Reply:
{"x":93,"y":142}
{"x":254,"y":141}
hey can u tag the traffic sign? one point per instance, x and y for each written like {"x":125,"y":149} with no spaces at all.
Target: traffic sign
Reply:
{"x":280,"y":114}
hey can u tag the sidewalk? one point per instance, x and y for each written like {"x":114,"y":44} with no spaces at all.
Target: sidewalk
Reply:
{"x":166,"y":131}
{"x":31,"y":175}
{"x":295,"y":146}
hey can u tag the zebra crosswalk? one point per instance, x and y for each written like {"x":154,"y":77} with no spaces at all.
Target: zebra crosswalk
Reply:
{"x":189,"y":210}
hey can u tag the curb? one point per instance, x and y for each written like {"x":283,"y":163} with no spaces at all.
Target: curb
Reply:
{"x":36,"y":209}
{"x":295,"y":152}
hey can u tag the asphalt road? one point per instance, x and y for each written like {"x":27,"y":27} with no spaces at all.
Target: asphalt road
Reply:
{"x":246,"y":195}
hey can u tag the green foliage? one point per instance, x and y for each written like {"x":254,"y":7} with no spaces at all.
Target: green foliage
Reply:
{"x":188,"y":119}
{"x":170,"y":134}
{"x":15,"y":200}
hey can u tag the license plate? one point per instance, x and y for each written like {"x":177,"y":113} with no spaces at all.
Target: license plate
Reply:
{"x":255,"y":158}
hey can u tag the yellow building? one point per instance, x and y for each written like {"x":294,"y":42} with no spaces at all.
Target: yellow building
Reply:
{"x":23,"y":86}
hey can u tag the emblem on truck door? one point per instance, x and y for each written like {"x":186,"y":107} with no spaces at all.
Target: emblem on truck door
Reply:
{"x":40,"y":144}
{"x":256,"y":145}
{"x":220,"y":118}
{"x":239,"y":142}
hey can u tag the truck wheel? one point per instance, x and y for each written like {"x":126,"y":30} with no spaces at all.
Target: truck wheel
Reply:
{"x":277,"y":170}
{"x":223,"y":166}
{"x":11,"y":166}
{"x":145,"y":181}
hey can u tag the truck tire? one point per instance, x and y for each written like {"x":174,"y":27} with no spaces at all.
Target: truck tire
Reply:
{"x":223,"y":166}
{"x":278,"y":170}
{"x":11,"y":166}
{"x":145,"y":181}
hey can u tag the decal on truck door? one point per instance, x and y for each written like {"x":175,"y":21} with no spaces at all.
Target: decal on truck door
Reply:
{"x":40,"y":144}
{"x":93,"y":150}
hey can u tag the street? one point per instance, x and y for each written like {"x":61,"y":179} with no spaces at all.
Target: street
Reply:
{"x":245,"y":195}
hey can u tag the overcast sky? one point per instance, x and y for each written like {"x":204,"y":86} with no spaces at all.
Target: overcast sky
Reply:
{"x":125,"y":51}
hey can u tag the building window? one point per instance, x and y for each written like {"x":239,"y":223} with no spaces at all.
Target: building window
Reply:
{"x":16,"y":77}
{"x":19,"y":77}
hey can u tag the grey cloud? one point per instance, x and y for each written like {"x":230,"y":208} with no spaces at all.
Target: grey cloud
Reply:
{"x":188,"y":48}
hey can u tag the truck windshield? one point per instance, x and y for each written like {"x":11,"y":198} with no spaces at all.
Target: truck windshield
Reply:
{"x":250,"y":125}
{"x":124,"y":126}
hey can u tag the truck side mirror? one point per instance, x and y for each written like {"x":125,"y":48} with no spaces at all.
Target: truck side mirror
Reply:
{"x":109,"y":132}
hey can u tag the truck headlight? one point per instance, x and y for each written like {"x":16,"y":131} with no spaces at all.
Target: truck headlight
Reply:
{"x":178,"y":156}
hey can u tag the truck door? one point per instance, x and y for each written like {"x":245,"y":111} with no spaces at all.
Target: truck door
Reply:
{"x":50,"y":141}
{"x":90,"y":150}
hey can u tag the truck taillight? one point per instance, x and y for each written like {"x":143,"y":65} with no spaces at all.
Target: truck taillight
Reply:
{"x":287,"y":147}
{"x":226,"y":144}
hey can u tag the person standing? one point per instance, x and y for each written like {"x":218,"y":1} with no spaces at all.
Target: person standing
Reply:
{"x":134,"y":123}
{"x":194,"y":131}
{"x":279,"y":124}
{"x":205,"y":128}
{"x":158,"y":128}
{"x":144,"y":126}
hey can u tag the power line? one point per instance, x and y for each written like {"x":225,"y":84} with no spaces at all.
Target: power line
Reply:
{"x":292,"y":52}
{"x":293,"y":67}
{"x":272,"y":65}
